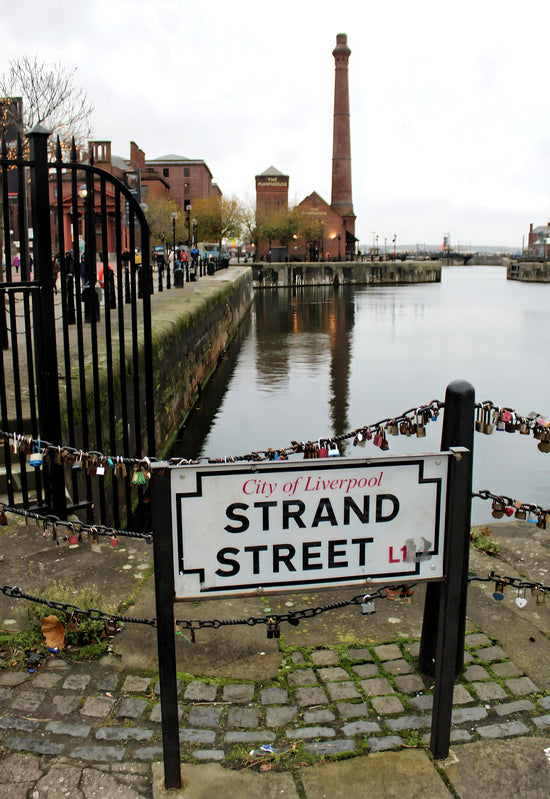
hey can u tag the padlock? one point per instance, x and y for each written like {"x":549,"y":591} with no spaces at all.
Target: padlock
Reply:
{"x":367,"y":606}
{"x":377,"y":439}
{"x":359,"y":440}
{"x":498,"y":593}
{"x":497,"y":509}
{"x":420,"y":429}
{"x":333,"y":451}
{"x":3,"y":517}
{"x":36,"y":457}
{"x":113,"y":540}
{"x":520,"y":513}
{"x":72,"y":624}
{"x":393,"y":428}
{"x":322,"y":448}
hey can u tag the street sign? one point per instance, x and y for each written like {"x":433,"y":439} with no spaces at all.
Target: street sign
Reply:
{"x":283,"y":525}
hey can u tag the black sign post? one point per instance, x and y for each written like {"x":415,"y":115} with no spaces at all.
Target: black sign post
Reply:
{"x":166,"y":635}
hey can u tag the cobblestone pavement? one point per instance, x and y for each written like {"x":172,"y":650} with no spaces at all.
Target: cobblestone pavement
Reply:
{"x":75,"y":729}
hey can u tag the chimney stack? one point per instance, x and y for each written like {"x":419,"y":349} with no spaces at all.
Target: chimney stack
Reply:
{"x":341,"y":199}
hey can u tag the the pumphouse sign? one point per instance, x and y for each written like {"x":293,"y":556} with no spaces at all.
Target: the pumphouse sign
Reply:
{"x":286,"y":524}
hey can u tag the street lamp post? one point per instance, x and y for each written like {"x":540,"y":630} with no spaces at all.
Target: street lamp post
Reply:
{"x":339,"y":255}
{"x":197,"y":266}
{"x":394,"y":246}
{"x":188,"y":209}
{"x":174,"y":217}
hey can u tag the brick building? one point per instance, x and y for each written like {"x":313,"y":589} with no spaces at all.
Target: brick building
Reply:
{"x":189,"y":179}
{"x":539,"y":241}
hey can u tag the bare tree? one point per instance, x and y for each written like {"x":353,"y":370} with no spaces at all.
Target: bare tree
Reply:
{"x":51,"y":98}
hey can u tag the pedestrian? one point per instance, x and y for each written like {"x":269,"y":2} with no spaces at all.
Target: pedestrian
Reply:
{"x":16,"y":263}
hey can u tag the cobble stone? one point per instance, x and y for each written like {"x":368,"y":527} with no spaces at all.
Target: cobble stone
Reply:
{"x":490,"y":653}
{"x":487,"y":691}
{"x":98,"y":706}
{"x":388,"y":652}
{"x":302,"y":677}
{"x":408,"y":723}
{"x":467,"y":714}
{"x":198,"y":736}
{"x":360,"y":728}
{"x":124,"y":734}
{"x":209,"y":754}
{"x":333,"y":674}
{"x":234,"y":737}
{"x":542,"y":722}
{"x":378,"y":686}
{"x":76,"y":682}
{"x":156,"y":713}
{"x":386,"y":705}
{"x":298,"y":658}
{"x":476,"y":672}
{"x":243,"y":717}
{"x":132,"y":708}
{"x":366,"y":670}
{"x":326,"y":748}
{"x":65,"y":703}
{"x":38,"y":746}
{"x":14,"y":723}
{"x":545,"y":702}
{"x":279,"y":716}
{"x":352,"y":710}
{"x":384,"y":743}
{"x":409,"y":683}
{"x":521,"y":686}
{"x":200,"y":692}
{"x":238,"y":693}
{"x":324,"y":657}
{"x":461,"y":695}
{"x":505,"y":730}
{"x":11,"y":679}
{"x":74,"y":730}
{"x":424,"y":702}
{"x":46,"y":680}
{"x":400,"y":666}
{"x":514,"y":707}
{"x":98,"y":753}
{"x":204,"y":716}
{"x":477,"y":639}
{"x":311,"y":696}
{"x":27,"y":701}
{"x":460,"y":736}
{"x":358,"y":654}
{"x":318,"y":716}
{"x":506,"y":669}
{"x":148,"y":753}
{"x":108,"y":682}
{"x":273,"y":696}
{"x":136,"y":685}
{"x":311,"y":732}
{"x":343,"y":690}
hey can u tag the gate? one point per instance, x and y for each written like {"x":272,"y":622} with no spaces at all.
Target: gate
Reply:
{"x":75,"y":328}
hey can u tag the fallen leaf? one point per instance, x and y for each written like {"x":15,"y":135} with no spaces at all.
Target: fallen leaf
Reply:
{"x":266,"y":767}
{"x":54,"y":633}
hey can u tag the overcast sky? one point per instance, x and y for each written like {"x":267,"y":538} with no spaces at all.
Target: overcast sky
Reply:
{"x":450,"y":111}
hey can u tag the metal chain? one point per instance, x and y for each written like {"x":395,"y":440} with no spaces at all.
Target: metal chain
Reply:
{"x":73,"y":528}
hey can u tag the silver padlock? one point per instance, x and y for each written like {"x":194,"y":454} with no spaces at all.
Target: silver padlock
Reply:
{"x":367,"y":606}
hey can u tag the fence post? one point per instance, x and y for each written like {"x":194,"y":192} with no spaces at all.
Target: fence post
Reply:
{"x":458,"y":431}
{"x":46,"y":354}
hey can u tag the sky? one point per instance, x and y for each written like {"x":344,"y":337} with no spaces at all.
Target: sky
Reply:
{"x":449,"y":110}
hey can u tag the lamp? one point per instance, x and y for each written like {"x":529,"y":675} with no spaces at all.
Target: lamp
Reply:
{"x":174,"y":217}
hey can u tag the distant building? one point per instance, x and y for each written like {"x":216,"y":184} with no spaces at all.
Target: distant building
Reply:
{"x":189,"y":179}
{"x":539,"y":241}
{"x":327,"y":231}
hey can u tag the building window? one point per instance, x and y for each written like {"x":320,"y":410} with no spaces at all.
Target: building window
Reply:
{"x":185,"y":171}
{"x":165,"y":172}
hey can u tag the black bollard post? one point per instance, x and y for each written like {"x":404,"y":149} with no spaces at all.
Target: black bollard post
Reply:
{"x":160,"y":267}
{"x":458,"y":431}
{"x":179,"y":277}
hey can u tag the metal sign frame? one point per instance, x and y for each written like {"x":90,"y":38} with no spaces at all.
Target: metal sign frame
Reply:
{"x":296,"y":525}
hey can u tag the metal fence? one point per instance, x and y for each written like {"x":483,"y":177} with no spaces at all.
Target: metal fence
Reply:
{"x":75,"y":327}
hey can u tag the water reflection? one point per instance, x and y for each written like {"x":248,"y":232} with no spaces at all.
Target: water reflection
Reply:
{"x":316,"y":362}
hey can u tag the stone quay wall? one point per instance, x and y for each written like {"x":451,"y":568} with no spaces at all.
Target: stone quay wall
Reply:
{"x":277,"y":275}
{"x":529,"y":271}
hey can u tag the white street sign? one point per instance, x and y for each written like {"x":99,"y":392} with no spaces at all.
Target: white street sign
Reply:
{"x":281,"y":525}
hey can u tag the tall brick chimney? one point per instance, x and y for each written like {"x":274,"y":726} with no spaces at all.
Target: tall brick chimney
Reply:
{"x":341,"y":200}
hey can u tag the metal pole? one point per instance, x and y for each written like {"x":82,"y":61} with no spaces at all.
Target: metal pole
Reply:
{"x":452,"y":606}
{"x":458,"y":431}
{"x":166,"y":639}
